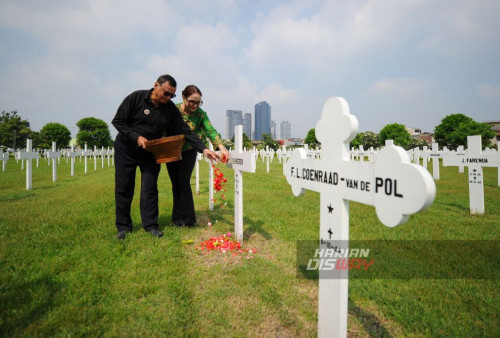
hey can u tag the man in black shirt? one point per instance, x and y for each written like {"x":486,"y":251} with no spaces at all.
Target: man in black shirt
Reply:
{"x":145,"y":115}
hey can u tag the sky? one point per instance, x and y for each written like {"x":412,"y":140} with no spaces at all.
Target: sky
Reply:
{"x":395,"y":61}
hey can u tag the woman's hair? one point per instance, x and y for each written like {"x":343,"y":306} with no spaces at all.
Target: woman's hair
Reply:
{"x":190,"y":90}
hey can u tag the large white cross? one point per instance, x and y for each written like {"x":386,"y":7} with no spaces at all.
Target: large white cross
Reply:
{"x":28,"y":155}
{"x":240,"y":161}
{"x":475,"y":160}
{"x":396,"y":187}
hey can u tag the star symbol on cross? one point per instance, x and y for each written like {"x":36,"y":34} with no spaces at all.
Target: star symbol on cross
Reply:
{"x":330,"y":208}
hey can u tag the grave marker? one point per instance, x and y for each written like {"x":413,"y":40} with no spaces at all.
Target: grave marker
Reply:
{"x":396,"y":187}
{"x":54,"y":154}
{"x":240,"y":161}
{"x":210,"y":179}
{"x":435,"y":155}
{"x":28,"y":155}
{"x":267,"y":154}
{"x":4,"y":157}
{"x":72,"y":154}
{"x":86,"y":152}
{"x":475,"y":160}
{"x":197,"y":171}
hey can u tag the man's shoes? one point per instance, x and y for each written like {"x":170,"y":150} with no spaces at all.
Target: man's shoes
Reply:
{"x":156,"y":233}
{"x":122,"y":234}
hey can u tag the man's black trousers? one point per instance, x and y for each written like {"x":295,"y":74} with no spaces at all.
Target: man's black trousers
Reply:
{"x":127,"y":157}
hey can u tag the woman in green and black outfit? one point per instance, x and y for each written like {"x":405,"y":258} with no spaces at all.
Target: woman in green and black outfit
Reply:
{"x":180,"y":171}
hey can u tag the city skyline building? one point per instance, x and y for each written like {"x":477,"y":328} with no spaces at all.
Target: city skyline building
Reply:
{"x":262,"y":119}
{"x":285,"y":130}
{"x":273,"y":130}
{"x":247,"y":124}
{"x":233,"y":118}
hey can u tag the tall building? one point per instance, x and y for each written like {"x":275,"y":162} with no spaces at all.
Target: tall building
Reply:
{"x":262,"y":119}
{"x":233,"y":118}
{"x":285,"y":130}
{"x":273,"y":130}
{"x":247,"y":124}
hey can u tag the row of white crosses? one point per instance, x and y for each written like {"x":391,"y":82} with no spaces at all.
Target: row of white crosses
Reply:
{"x":29,"y":154}
{"x":475,"y":159}
{"x":396,"y":187}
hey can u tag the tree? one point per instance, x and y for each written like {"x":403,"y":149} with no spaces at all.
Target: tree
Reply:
{"x":247,"y":142}
{"x":367,"y":139}
{"x":454,"y":129}
{"x":94,"y":132}
{"x":270,"y":142}
{"x":418,"y":143}
{"x":13,"y":130}
{"x":311,"y":139}
{"x":396,"y":132}
{"x":54,"y":132}
{"x":35,"y":137}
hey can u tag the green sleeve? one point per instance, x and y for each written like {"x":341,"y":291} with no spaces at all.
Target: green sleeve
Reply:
{"x":210,"y":131}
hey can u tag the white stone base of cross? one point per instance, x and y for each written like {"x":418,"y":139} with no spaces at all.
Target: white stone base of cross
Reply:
{"x":396,"y":187}
{"x":240,"y":161}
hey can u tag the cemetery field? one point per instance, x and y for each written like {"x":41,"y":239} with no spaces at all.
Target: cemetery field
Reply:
{"x":63,"y":273}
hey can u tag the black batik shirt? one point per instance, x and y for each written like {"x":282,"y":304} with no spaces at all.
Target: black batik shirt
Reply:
{"x":138,"y":116}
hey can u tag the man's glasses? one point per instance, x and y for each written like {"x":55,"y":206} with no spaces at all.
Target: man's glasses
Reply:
{"x":169,"y":94}
{"x":197,"y":103}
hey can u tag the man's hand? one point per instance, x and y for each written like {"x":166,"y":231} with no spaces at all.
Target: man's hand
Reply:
{"x":211,"y":155}
{"x":141,"y":141}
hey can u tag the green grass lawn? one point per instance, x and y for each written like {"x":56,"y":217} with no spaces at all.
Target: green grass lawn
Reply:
{"x":63,"y":272}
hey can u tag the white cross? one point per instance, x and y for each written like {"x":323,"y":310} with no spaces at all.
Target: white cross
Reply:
{"x":86,"y":152}
{"x":199,"y":156}
{"x":267,"y":154}
{"x":72,"y":154}
{"x":435,"y":155}
{"x":54,"y":154}
{"x":210,"y":179}
{"x":396,"y":187}
{"x":425,"y":155}
{"x":475,"y":160}
{"x":361,"y":153}
{"x":240,"y":161}
{"x":4,"y":157}
{"x":28,"y":155}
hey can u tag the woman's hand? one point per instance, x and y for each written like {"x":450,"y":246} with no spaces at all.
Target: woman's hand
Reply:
{"x":225,"y":154}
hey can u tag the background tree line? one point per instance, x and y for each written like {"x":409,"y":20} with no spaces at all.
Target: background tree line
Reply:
{"x":14,"y":131}
{"x":451,"y":133}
